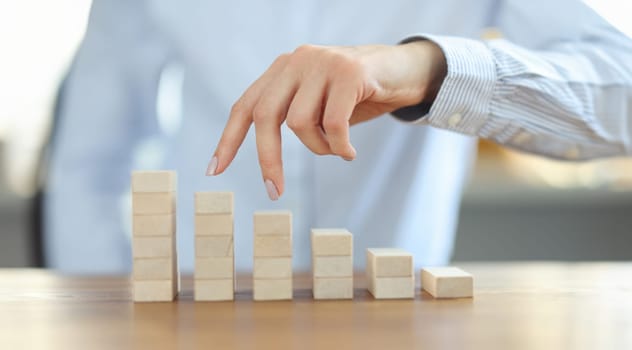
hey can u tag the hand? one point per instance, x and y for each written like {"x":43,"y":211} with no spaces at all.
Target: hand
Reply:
{"x":319,"y":92}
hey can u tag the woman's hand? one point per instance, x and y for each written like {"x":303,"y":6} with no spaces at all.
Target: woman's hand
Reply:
{"x":319,"y":92}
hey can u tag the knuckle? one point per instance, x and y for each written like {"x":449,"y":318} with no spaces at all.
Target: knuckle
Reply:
{"x":281,"y":59}
{"x":237,"y":107}
{"x":304,"y":49}
{"x":334,"y":124}
{"x":259,"y":114}
{"x":295,"y":124}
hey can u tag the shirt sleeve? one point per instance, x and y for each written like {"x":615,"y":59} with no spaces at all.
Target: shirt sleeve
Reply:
{"x":571,"y":99}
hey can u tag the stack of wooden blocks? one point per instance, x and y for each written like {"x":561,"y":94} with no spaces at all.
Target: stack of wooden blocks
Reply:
{"x":155,"y":269}
{"x":272,"y":275}
{"x":332,"y":261}
{"x":390,"y":273}
{"x":214,"y":275}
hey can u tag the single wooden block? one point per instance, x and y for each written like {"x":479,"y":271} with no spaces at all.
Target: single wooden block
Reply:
{"x":148,"y":291}
{"x":153,"y":247}
{"x":154,"y":225}
{"x":333,"y":266}
{"x":392,"y":287}
{"x":214,"y":268}
{"x":153,"y":269}
{"x":214,"y":225}
{"x":273,"y":246}
{"x":213,"y":202}
{"x":331,"y":242}
{"x":389,"y":262}
{"x":154,"y":181}
{"x":272,"y":289}
{"x":214,"y":246}
{"x":273,"y":223}
{"x":447,"y":282}
{"x":153,"y":203}
{"x":333,"y":288}
{"x":272,"y":268}
{"x":213,"y":290}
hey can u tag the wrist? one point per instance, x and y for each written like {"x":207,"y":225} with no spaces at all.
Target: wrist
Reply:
{"x":430,"y":67}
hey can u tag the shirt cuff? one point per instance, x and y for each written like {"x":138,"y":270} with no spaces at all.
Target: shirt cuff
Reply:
{"x":463,"y":101}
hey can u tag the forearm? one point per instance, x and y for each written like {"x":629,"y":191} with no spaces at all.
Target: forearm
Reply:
{"x":570,"y":101}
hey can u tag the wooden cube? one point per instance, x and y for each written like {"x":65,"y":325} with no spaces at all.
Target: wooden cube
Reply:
{"x":154,"y":291}
{"x":214,"y":268}
{"x":393,"y":287}
{"x":390,"y":262}
{"x":153,"y":203}
{"x":390,"y":273}
{"x":333,"y":288}
{"x":213,"y":202}
{"x":447,"y":282}
{"x":273,"y":246}
{"x":214,"y":225}
{"x":214,"y":246}
{"x":272,"y":268}
{"x":154,"y":181}
{"x":331,"y":242}
{"x":153,"y":247}
{"x":154,"y":225}
{"x":333,"y":266}
{"x":154,"y":269}
{"x":213,"y":290}
{"x":273,"y":223}
{"x":272,"y":289}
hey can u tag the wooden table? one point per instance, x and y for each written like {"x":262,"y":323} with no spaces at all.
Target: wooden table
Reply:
{"x":516,"y":306}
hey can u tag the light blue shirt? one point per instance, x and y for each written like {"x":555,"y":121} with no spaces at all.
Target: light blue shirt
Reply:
{"x":557,"y":85}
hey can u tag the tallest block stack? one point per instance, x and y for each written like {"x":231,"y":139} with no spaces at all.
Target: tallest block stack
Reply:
{"x":155,"y":270}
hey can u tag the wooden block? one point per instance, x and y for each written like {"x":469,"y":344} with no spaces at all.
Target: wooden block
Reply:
{"x":148,"y":291}
{"x":333,"y":288}
{"x":214,"y":246}
{"x":393,"y":287}
{"x":273,"y":246}
{"x":175,"y":272}
{"x":153,"y":203}
{"x":213,"y":290}
{"x":272,"y":268}
{"x":333,"y":266}
{"x":213,"y":202}
{"x":153,"y":247}
{"x":214,"y":268}
{"x":214,"y":225}
{"x":153,"y":269}
{"x":272,"y":289}
{"x":390,"y":262}
{"x":154,"y":225}
{"x":326,"y":242}
{"x":273,"y":223}
{"x":447,"y":282}
{"x":154,"y":181}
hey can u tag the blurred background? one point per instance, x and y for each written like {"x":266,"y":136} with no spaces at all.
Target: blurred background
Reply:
{"x":516,"y":207}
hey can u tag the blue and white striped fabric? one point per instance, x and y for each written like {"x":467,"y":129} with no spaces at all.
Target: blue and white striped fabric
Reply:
{"x":567,"y":99}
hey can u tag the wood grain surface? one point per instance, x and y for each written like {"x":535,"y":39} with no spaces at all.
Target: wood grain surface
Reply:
{"x":515,"y":306}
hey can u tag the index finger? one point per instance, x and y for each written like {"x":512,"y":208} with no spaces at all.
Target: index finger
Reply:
{"x":239,"y":121}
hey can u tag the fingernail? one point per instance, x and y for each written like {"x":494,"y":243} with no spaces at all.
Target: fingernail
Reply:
{"x":212,"y":167}
{"x":272,"y":190}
